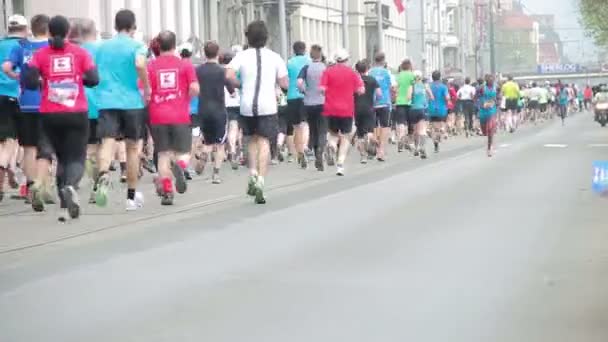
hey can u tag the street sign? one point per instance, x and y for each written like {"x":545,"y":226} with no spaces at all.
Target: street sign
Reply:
{"x":600,"y":177}
{"x":558,"y":68}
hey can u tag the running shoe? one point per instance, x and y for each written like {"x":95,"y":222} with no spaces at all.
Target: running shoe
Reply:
{"x":72,"y":201}
{"x":1,"y":196}
{"x":416,"y":153}
{"x":331,"y":155}
{"x":251,"y":190}
{"x":400,"y":147}
{"x":290,"y":159}
{"x":64,"y":215}
{"x":167,"y":199}
{"x":37,"y":199}
{"x":215,"y":179}
{"x":259,"y":193}
{"x":363,"y":159}
{"x":113,"y":166}
{"x":340,"y":170}
{"x":303,"y":161}
{"x":436,"y":147}
{"x":319,"y":164}
{"x":103,"y":187}
{"x":123,"y":176}
{"x":234,"y":163}
{"x":181,"y":184}
{"x":423,"y":154}
{"x":136,"y":203}
{"x":148,"y":165}
{"x":12,"y":179}
{"x":274,"y":162}
{"x":189,"y":173}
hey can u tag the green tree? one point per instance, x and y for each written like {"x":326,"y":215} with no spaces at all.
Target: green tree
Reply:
{"x":594,"y":17}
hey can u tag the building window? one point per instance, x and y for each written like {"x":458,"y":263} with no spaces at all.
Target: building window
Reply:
{"x":18,"y":6}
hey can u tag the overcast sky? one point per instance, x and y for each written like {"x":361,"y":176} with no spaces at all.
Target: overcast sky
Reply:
{"x":567,"y":25}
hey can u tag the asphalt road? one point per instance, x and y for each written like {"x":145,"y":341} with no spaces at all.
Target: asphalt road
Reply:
{"x":462,"y":248}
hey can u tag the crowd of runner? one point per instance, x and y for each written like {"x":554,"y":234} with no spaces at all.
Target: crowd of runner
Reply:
{"x":71,"y":105}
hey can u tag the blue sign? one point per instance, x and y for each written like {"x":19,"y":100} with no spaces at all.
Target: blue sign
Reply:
{"x":558,"y":68}
{"x":600,"y":177}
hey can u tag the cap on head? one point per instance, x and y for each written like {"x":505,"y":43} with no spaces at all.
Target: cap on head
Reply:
{"x":418,"y":74}
{"x":341,"y":55}
{"x":16,"y":21}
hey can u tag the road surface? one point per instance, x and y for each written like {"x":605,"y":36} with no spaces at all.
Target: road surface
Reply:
{"x":458,"y":248}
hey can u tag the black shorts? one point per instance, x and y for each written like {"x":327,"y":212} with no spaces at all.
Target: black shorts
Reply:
{"x":93,"y":139}
{"x":9,"y":112}
{"x":365,"y":120}
{"x":174,"y":138}
{"x":28,"y":129}
{"x":53,"y":139}
{"x":213,"y":127}
{"x":401,"y":114}
{"x":265,"y":126}
{"x":339,"y":125}
{"x":284,"y":127}
{"x":383,"y":117}
{"x":195,"y":120}
{"x":437,"y":119}
{"x":120,"y":123}
{"x":512,"y":105}
{"x":543,"y":107}
{"x":234,"y":113}
{"x":533,"y":105}
{"x":414,"y":117}
{"x":296,"y":113}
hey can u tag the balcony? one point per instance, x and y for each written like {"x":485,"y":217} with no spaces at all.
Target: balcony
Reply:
{"x":450,"y":39}
{"x":450,"y":4}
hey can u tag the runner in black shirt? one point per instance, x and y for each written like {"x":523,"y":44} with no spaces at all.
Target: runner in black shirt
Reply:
{"x":365,"y":117}
{"x":212,"y":106}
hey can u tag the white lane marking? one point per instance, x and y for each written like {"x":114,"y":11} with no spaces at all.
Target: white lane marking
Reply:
{"x":597,"y":145}
{"x":504,"y":145}
{"x":556,"y":145}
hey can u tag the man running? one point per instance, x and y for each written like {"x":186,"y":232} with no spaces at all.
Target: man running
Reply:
{"x":466,"y":97}
{"x":260,"y":71}
{"x":308,"y":82}
{"x":340,"y":83}
{"x":510,"y":91}
{"x":214,"y":118}
{"x":233,"y":108}
{"x":438,"y":107}
{"x":405,"y":81}
{"x":121,"y":60}
{"x":28,"y":123}
{"x":383,"y":103}
{"x":172,"y":82}
{"x":65,"y":69}
{"x":9,"y":97}
{"x":296,"y":113}
{"x":365,"y":117}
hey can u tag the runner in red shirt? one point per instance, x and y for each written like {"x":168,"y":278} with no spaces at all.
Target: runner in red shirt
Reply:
{"x":65,"y":69}
{"x":340,"y":83}
{"x":172,"y":82}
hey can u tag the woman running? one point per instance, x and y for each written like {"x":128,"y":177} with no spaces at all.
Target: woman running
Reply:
{"x":418,"y":96}
{"x":65,"y":69}
{"x":487,"y":112}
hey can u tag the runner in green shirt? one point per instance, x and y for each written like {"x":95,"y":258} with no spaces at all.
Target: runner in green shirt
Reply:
{"x":405,"y":80}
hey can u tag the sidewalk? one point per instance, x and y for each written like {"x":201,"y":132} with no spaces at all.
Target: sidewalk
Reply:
{"x":20,"y":227}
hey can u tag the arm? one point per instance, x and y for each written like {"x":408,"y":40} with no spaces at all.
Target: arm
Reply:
{"x":90,"y":78}
{"x":410,"y":93}
{"x":194,"y":88}
{"x":302,"y":79}
{"x":142,"y":73}
{"x":13,"y":62}
{"x":9,"y":70}
{"x":429,"y":93}
{"x":32,"y":78}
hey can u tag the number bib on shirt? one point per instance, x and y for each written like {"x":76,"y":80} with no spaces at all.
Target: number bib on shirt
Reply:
{"x":64,"y":92}
{"x":489,"y":104}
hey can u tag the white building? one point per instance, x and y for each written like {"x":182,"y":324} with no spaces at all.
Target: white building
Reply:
{"x":313,"y":21}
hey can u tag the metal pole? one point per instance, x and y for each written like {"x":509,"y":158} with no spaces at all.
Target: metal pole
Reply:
{"x":283,"y":28}
{"x":463,"y":38}
{"x":492,"y":40}
{"x":380,"y":26}
{"x":345,"y":41}
{"x":439,"y":36}
{"x":423,"y":35}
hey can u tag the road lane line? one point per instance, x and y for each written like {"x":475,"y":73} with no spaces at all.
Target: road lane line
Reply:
{"x":555,"y":145}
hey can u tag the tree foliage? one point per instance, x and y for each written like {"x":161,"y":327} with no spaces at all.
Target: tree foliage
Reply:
{"x":594,"y":17}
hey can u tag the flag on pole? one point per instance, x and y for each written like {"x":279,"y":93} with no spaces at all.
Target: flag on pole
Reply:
{"x":400,"y":6}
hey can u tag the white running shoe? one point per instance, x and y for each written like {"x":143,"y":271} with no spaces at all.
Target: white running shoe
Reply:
{"x":137,"y":203}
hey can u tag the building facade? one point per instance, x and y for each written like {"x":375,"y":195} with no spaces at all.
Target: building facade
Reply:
{"x":313,"y":21}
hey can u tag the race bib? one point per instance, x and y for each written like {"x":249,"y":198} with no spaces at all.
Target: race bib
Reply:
{"x":489,"y":104}
{"x":63,"y":93}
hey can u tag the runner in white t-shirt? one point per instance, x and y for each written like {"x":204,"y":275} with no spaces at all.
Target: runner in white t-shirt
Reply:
{"x":260,"y":70}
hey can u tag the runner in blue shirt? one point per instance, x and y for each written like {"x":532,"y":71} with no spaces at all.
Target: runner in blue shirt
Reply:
{"x":28,"y":125}
{"x":9,"y":98}
{"x":121,"y":62}
{"x":382,"y":104}
{"x":488,"y":110}
{"x":419,"y":95}
{"x":297,"y":123}
{"x":438,"y":108}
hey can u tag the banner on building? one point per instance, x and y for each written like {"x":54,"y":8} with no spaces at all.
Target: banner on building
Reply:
{"x":400,"y":4}
{"x":558,"y":68}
